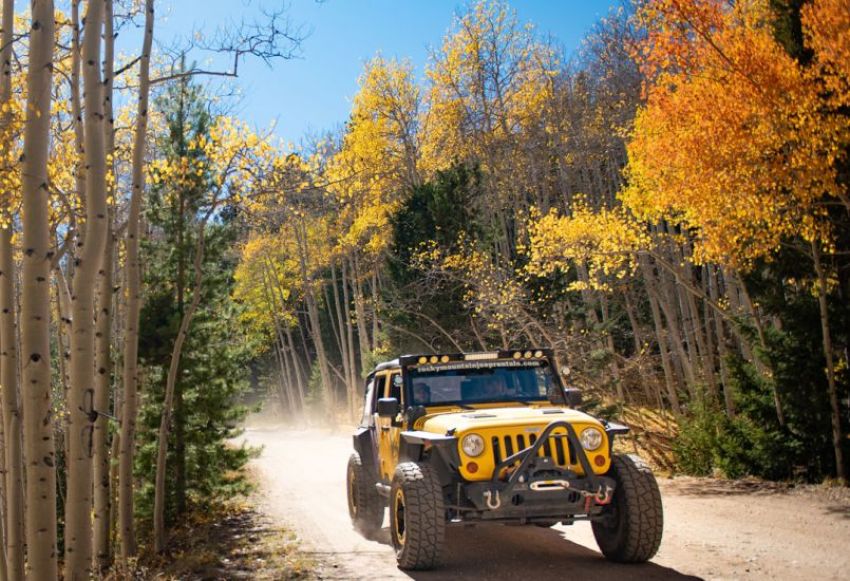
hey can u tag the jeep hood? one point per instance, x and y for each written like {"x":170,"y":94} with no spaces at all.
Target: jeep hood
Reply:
{"x":501,"y":417}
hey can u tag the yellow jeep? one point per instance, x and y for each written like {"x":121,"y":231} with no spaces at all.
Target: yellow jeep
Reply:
{"x":492,"y":438}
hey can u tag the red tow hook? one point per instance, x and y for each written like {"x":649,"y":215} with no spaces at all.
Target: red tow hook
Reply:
{"x":602,"y":496}
{"x":605,"y":496}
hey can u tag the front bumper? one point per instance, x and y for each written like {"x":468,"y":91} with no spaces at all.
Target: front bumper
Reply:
{"x":536,"y":488}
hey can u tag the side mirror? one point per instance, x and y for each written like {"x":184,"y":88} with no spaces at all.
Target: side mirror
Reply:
{"x":574,"y":397}
{"x":388,"y":407}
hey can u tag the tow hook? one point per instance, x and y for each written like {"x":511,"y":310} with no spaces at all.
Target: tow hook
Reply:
{"x":491,"y":504}
{"x":604,"y":496}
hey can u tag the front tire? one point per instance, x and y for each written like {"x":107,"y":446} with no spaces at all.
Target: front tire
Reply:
{"x":365,"y":506}
{"x":631,"y":533}
{"x":417,"y":517}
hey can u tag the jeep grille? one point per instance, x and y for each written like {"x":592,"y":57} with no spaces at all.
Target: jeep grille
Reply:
{"x":556,"y":448}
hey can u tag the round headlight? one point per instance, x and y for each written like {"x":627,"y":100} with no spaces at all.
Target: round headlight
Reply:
{"x":472,"y":445}
{"x":591,"y":439}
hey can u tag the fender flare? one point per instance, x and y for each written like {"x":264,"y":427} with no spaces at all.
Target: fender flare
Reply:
{"x":440,"y":451}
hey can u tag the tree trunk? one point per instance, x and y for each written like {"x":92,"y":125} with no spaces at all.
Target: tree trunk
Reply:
{"x":661,"y":339}
{"x":133,"y":304}
{"x":722,"y":351}
{"x":376,"y":319}
{"x":360,"y":314}
{"x":336,"y":307}
{"x":9,"y":364}
{"x":63,"y":340}
{"x":708,"y":354}
{"x":286,"y":383}
{"x":35,"y":307}
{"x":3,"y":563}
{"x":315,"y":325}
{"x":171,"y":382}
{"x":349,"y":328}
{"x":103,"y":333}
{"x":81,"y":411}
{"x":760,"y":366}
{"x":179,"y":421}
{"x":296,"y":366}
{"x":834,"y":404}
{"x":76,"y":101}
{"x":3,"y":560}
{"x":609,"y":344}
{"x":664,"y":293}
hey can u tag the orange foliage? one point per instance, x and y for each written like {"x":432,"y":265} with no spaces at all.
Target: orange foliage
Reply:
{"x":826,"y":25}
{"x":735,"y":140}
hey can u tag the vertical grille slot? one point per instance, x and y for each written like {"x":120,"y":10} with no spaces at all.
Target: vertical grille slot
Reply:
{"x":547,"y":448}
{"x":559,"y":450}
{"x":509,"y":446}
{"x":532,"y":439}
{"x":497,"y":449}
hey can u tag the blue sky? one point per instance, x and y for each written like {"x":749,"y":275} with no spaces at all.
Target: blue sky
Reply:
{"x":314,"y":92}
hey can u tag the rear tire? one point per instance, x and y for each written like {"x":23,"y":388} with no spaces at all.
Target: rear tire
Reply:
{"x":632,"y":532}
{"x":365,"y":506}
{"x":417,"y":517}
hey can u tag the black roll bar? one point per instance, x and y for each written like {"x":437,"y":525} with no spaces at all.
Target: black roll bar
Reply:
{"x":526,"y":455}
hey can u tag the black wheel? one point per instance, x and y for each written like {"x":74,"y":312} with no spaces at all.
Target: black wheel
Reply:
{"x":417,"y":517}
{"x":631,"y":531}
{"x":365,"y":506}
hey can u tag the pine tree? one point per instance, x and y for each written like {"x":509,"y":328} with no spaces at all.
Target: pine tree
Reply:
{"x":212,"y":375}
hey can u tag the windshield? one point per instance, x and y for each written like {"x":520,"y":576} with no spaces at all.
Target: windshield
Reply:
{"x":480,"y":382}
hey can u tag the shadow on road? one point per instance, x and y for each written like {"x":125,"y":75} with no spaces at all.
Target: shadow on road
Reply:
{"x":839,"y":510}
{"x":505,"y":552}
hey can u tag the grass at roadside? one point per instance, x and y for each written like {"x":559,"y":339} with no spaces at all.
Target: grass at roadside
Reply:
{"x":232,"y":541}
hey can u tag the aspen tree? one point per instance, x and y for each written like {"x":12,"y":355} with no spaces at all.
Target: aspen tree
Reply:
{"x":8,"y":334}
{"x":133,"y":282}
{"x":81,"y":405}
{"x":103,"y":332}
{"x":35,"y":302}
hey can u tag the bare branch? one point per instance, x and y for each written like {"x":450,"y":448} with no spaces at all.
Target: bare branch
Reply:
{"x":269,"y":38}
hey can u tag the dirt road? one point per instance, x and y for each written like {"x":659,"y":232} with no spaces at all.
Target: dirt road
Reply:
{"x":713,"y":529}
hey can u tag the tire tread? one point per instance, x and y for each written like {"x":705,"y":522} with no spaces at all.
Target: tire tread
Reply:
{"x":424,"y":516}
{"x":643,"y":521}
{"x":371,"y":514}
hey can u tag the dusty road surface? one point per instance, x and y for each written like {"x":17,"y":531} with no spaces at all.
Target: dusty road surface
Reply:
{"x":712,"y":530}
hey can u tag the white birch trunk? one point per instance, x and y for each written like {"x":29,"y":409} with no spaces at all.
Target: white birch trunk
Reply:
{"x":103,"y":332}
{"x":133,"y":304}
{"x":13,"y":440}
{"x":35,"y":304}
{"x":81,"y":411}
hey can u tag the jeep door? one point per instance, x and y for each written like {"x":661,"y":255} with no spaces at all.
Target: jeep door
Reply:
{"x":369,"y":421}
{"x":389,"y":430}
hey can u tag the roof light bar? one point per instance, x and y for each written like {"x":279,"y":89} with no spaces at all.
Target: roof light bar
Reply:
{"x":481,"y":356}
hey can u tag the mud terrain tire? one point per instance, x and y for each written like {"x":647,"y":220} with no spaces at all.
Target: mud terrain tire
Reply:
{"x":417,"y":517}
{"x":365,"y":506}
{"x":632,"y":532}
